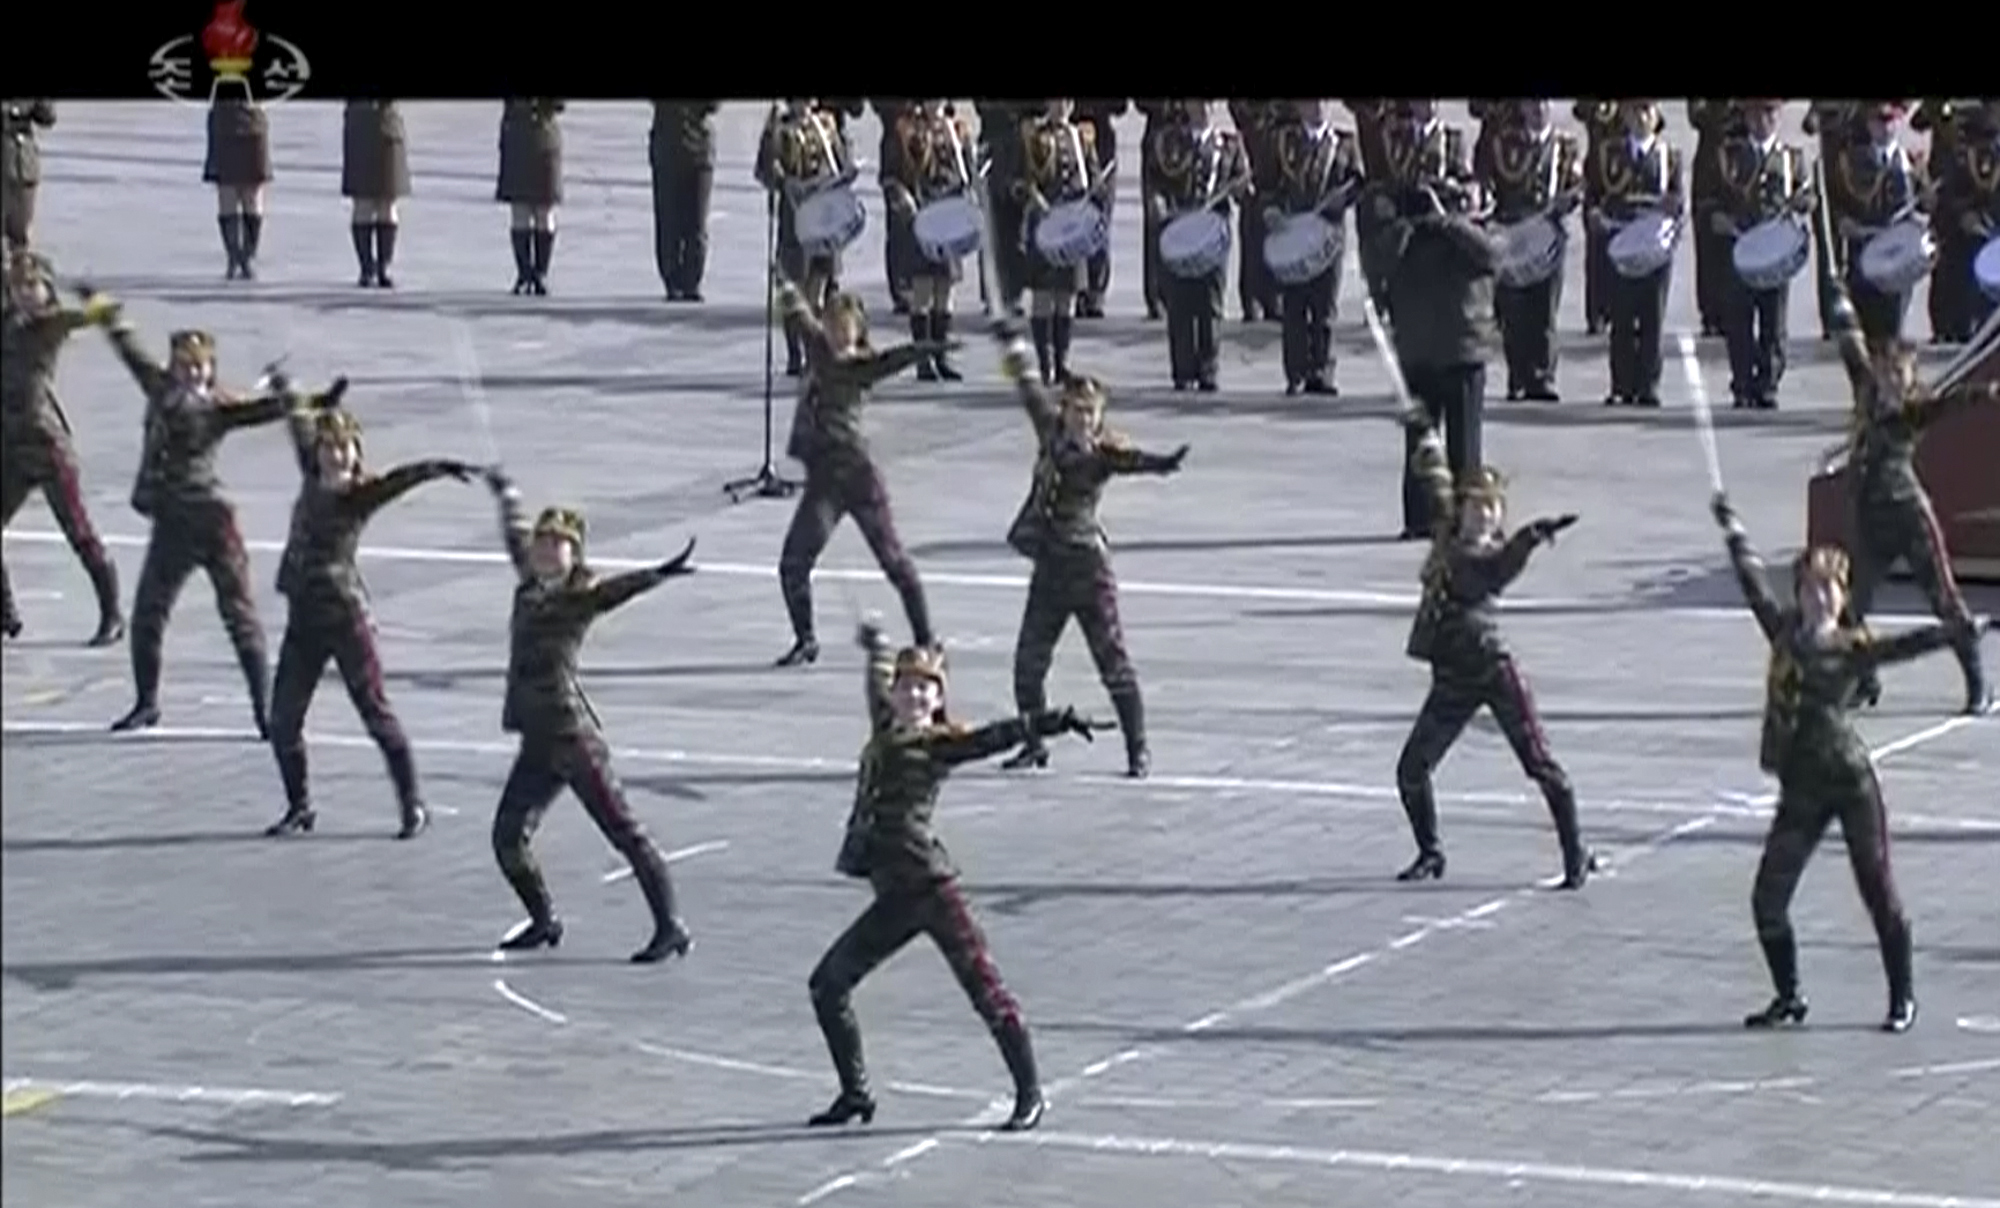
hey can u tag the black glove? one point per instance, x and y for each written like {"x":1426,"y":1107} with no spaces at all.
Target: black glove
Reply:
{"x":333,"y":394}
{"x":497,"y":480}
{"x":1545,"y":529}
{"x":678,"y":564}
{"x":868,"y":635}
{"x":1724,"y":514}
{"x":1171,"y":463}
{"x":1072,"y":722}
{"x":1005,"y":330}
{"x":462,"y":471}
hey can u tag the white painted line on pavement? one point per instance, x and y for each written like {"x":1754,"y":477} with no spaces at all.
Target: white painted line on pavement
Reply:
{"x":672,"y":857}
{"x":1956,"y":1067}
{"x":223,"y":1096}
{"x":1980,"y":1023}
{"x":527,"y":1004}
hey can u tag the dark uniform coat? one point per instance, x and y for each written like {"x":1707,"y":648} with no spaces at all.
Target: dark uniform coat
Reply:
{"x":239,"y":145}
{"x":20,"y":158}
{"x":531,"y":153}
{"x":374,"y":161}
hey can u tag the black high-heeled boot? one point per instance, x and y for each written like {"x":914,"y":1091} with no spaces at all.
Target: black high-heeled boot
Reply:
{"x":1788,"y":1006}
{"x":524,"y":259}
{"x":364,"y":253}
{"x":544,"y":250}
{"x":920,"y":333}
{"x":231,"y":226}
{"x":1041,"y":332}
{"x":1131,"y":709}
{"x":253,"y":239}
{"x":1019,"y":1054}
{"x":941,"y":332}
{"x":843,"y":1044}
{"x":385,"y":253}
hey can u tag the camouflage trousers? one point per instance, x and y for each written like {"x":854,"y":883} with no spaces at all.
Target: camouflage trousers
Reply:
{"x":833,"y":490}
{"x":1455,"y":697}
{"x":204,"y":538}
{"x":1886,"y":532}
{"x":347,"y":640}
{"x":1076,"y":584}
{"x":1807,"y":806}
{"x":48,"y":464}
{"x":581,"y":762}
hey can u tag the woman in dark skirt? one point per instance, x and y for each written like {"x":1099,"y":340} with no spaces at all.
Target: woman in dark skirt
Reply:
{"x":374,"y":174}
{"x":239,"y":166}
{"x":531,"y":182}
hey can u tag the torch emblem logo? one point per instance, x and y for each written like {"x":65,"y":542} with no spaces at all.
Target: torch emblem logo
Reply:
{"x":229,"y":58}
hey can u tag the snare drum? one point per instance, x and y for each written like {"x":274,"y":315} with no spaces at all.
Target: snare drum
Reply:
{"x":1530,"y":252}
{"x":1301,"y":247}
{"x":949,"y":229}
{"x":1986,"y":269}
{"x":1070,"y":233}
{"x":1644,"y":245}
{"x":1195,"y":245}
{"x":827,"y":220}
{"x":1770,"y":254}
{"x":1895,"y":260}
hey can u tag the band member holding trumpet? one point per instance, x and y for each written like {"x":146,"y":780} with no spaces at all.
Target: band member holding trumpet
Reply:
{"x":1835,"y":124}
{"x":1759,"y":180}
{"x":1873,"y":187}
{"x":1602,"y":127}
{"x":1636,"y":179}
{"x":1315,"y":172}
{"x":1060,"y":167}
{"x":1194,"y":167}
{"x":803,"y":148}
{"x":1531,"y":172}
{"x":1099,"y":116}
{"x":927,"y":159}
{"x":1256,"y":289}
{"x":1969,"y":204}
{"x":1715,"y":122}
{"x":900,"y":259}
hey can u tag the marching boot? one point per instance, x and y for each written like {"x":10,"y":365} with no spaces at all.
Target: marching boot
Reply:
{"x":142,"y":716}
{"x":1131,"y":709}
{"x":231,"y":226}
{"x":364,"y":253}
{"x":1040,"y":330}
{"x":1428,"y":866}
{"x":1034,"y":753}
{"x":941,"y":332}
{"x":544,"y":243}
{"x":1061,"y":327}
{"x":1019,"y":1054}
{"x":297,"y":820}
{"x":1978,"y":693}
{"x":1789,"y":1006}
{"x":920,"y":333}
{"x":1578,"y":860}
{"x":253,"y":239}
{"x":299,"y":816}
{"x":1898,"y":962}
{"x":1420,"y":807}
{"x":544,"y":929}
{"x":415,"y":820}
{"x":12,"y":624}
{"x":804,"y":653}
{"x":110,"y":618}
{"x":670,"y":935}
{"x":843,"y":1044}
{"x":524,"y":259}
{"x":257,"y":678}
{"x":385,"y":253}
{"x":795,"y":351}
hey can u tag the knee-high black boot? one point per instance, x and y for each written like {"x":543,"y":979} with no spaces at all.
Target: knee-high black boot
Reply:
{"x":670,"y":935}
{"x":104,"y":583}
{"x":364,"y":252}
{"x":920,"y":332}
{"x":253,"y":239}
{"x":524,"y":259}
{"x":1781,"y":954}
{"x":843,"y":1044}
{"x":1041,"y":331}
{"x":1061,"y":327}
{"x":544,"y":929}
{"x":1019,"y":1054}
{"x":544,"y":251}
{"x":231,"y":226}
{"x":385,"y":253}
{"x":1130,"y":706}
{"x":941,"y":332}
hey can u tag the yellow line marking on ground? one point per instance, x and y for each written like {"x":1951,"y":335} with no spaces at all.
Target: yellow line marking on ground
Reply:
{"x":20,"y":1102}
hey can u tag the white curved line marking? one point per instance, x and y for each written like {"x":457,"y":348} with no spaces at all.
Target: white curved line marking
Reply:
{"x":672,"y":857}
{"x":528,"y":1004}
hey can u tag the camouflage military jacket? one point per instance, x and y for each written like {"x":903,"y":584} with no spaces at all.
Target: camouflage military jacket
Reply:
{"x":30,"y":342}
{"x":1060,"y":513}
{"x":1884,"y":434}
{"x":1807,"y":732}
{"x":1456,"y":629}
{"x":185,"y":427}
{"x":826,"y":427}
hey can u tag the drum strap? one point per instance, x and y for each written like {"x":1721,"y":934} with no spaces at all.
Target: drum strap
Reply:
{"x":1076,"y":148}
{"x":1206,"y":144}
{"x":958,"y":154}
{"x":820,"y":122}
{"x":1547,"y":145}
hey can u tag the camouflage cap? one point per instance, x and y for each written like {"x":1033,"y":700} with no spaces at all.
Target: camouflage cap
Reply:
{"x":566,"y":523}
{"x":334,"y":426}
{"x":1484,"y":483}
{"x":921,"y":662}
{"x":1083,"y":393}
{"x":190,"y":342}
{"x":1828,"y":562}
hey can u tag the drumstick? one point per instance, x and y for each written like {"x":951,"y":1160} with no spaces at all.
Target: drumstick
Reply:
{"x":471,"y":387}
{"x":1704,"y":418}
{"x":1387,"y":352}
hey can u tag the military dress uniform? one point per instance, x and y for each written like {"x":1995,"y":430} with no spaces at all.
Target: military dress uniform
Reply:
{"x":928,"y":157}
{"x":899,"y":263}
{"x":1626,"y":178}
{"x":1457,"y":634}
{"x":681,"y":151}
{"x":797,"y":153}
{"x":531,"y":182}
{"x":1159,"y":114}
{"x":1373,"y":118}
{"x":561,"y":742}
{"x":1824,"y":771}
{"x":238,"y":164}
{"x":1969,"y":209}
{"x":1835,"y":124}
{"x":1314,"y":171}
{"x":1602,"y":127}
{"x":1001,"y":150}
{"x":1940,"y":118}
{"x":1868,"y":187}
{"x":1528,"y":174}
{"x":1101,"y":117}
{"x":1187,"y":163}
{"x":1757,"y":183}
{"x":21,"y":165}
{"x":36,"y":450}
{"x":1256,"y":288}
{"x":1715,"y":123}
{"x":374,"y":176}
{"x":1060,"y":164}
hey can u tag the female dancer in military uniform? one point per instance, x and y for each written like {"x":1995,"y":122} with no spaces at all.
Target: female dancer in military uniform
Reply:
{"x":556,"y":601}
{"x":929,"y":158}
{"x":1058,"y":529}
{"x":1819,"y":653}
{"x":21,"y":165}
{"x":194,"y":525}
{"x":841,"y":476}
{"x":35,"y":448}
{"x":1893,"y":517}
{"x":239,"y":166}
{"x":1060,"y":165}
{"x":803,"y":148}
{"x":531,"y":184}
{"x":374,"y":176}
{"x":1473,"y":560}
{"x":329,"y":618}
{"x":912,"y":747}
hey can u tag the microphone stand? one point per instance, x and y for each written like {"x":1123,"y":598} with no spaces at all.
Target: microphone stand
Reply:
{"x":766,"y":483}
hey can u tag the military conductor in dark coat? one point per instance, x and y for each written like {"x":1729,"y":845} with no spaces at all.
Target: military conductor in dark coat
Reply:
{"x":1440,"y":268}
{"x":531,"y":184}
{"x":682,"y":150}
{"x":374,"y":176}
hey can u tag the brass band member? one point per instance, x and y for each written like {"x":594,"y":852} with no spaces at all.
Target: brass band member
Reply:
{"x":239,"y":166}
{"x":1256,"y":288}
{"x":1374,"y":117}
{"x":1759,"y":179}
{"x":1315,"y":170}
{"x":1938,"y":118}
{"x":1602,"y":127}
{"x":1529,"y":170}
{"x":36,"y":452}
{"x":929,"y":157}
{"x":1872,"y":184}
{"x":21,"y":164}
{"x":1969,"y":206}
{"x":803,"y":148}
{"x":374,"y":175}
{"x":1836,"y":124}
{"x":1715,"y":122}
{"x":1194,"y":165}
{"x":900,"y":258}
{"x":1159,"y":114}
{"x":531,"y":184}
{"x":1628,"y":177}
{"x":681,"y":147}
{"x":1100,"y":116}
{"x":1061,"y":165}
{"x":1000,"y":149}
